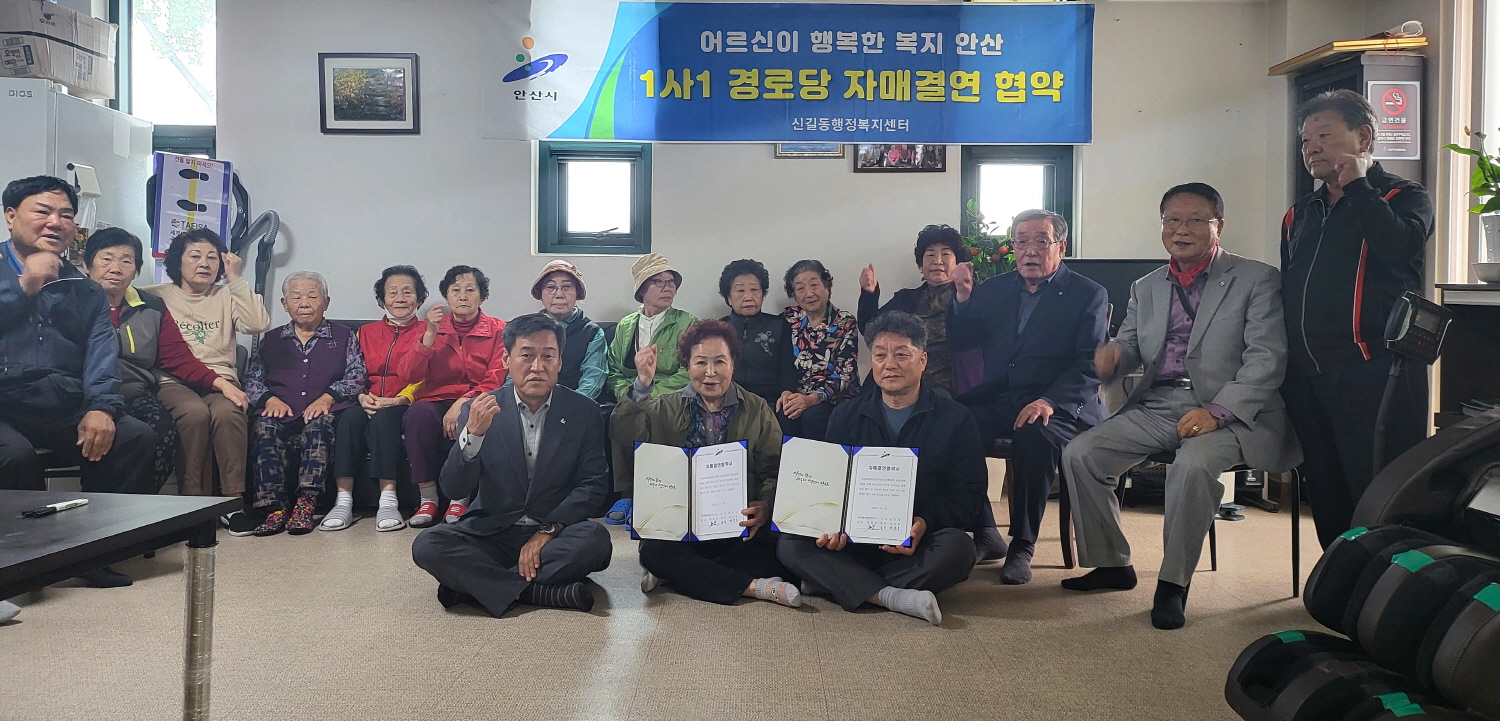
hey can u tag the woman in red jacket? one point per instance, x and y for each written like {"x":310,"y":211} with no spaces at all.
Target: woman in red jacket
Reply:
{"x":456,"y":359}
{"x":377,"y":430}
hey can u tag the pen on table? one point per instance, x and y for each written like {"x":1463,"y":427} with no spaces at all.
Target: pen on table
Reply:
{"x":54,"y":508}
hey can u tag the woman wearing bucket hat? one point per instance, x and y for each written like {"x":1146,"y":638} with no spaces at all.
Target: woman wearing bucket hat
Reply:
{"x":559,"y":287}
{"x":650,"y":333}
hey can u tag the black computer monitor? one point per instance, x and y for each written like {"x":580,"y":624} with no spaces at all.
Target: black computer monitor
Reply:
{"x":1115,"y":275}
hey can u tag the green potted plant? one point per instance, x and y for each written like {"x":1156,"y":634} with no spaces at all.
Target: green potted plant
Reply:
{"x":1484,"y":185}
{"x":988,"y":245}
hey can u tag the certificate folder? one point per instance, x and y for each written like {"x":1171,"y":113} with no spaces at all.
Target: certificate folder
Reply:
{"x":690,"y":494}
{"x":866,"y":492}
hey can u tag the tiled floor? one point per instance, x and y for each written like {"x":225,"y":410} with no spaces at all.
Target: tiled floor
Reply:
{"x":343,"y":626}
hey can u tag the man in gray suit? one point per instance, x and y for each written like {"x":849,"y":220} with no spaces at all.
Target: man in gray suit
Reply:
{"x":1207,"y":328}
{"x":534,"y":452}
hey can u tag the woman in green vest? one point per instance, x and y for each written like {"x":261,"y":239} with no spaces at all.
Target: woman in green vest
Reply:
{"x":658,"y":324}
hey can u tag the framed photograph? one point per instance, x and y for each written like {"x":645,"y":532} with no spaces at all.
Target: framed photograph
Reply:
{"x":369,"y":93}
{"x":882,"y":158}
{"x":809,"y":150}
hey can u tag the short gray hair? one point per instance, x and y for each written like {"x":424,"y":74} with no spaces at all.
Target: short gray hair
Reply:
{"x":1059,"y":226}
{"x":286,"y":284}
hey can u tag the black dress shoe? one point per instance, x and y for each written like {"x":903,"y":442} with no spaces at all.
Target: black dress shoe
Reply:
{"x":106,"y":578}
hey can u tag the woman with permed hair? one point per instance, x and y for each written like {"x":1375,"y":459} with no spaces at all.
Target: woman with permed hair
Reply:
{"x":826,"y":340}
{"x":457,"y":357}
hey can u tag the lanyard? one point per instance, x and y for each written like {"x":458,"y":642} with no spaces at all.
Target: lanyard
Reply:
{"x":1187,"y":307}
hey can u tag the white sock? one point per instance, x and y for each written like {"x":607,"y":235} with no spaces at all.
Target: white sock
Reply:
{"x":429,"y":493}
{"x":388,"y":499}
{"x":345,"y":498}
{"x":775,"y":589}
{"x":921,"y":604}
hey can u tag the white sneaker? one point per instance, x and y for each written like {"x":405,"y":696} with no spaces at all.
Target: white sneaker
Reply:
{"x":649,"y":582}
{"x":8,"y":611}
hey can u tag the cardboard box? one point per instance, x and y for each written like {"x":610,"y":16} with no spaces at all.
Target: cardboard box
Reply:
{"x":40,"y":39}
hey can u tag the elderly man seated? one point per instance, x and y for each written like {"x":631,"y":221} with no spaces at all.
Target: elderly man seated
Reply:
{"x":303,"y":375}
{"x":1207,"y":329}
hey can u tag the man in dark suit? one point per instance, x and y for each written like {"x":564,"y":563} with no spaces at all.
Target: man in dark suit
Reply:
{"x":1037,"y":327}
{"x":526,"y":537}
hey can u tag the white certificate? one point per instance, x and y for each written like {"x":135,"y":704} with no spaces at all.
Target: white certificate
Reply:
{"x":882,"y":488}
{"x":721,"y":489}
{"x":660,"y":508}
{"x":810,"y":488}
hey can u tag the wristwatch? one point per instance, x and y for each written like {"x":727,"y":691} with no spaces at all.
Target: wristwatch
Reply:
{"x":551,"y":529}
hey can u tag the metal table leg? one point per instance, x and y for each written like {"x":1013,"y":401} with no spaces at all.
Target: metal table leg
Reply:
{"x":198,"y":658}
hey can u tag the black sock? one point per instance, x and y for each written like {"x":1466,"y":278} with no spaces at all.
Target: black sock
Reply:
{"x":1120,"y":578}
{"x":1017,"y":569}
{"x":563,"y":595}
{"x":1167,"y":608}
{"x":450,"y":597}
{"x":988,"y":545}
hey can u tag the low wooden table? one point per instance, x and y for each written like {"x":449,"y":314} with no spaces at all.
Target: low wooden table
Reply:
{"x":37,"y":552}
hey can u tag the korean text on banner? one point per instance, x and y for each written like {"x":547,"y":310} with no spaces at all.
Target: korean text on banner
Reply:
{"x":757,"y":72}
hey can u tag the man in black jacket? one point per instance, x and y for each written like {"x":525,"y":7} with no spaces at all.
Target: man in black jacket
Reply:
{"x":534,"y":452}
{"x":951,"y":482}
{"x":59,"y":380}
{"x":1348,"y":252}
{"x":1037,"y":327}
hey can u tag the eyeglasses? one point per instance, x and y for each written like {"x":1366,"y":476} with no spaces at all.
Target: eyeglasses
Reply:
{"x":555,"y":287}
{"x":1194,"y":225}
{"x":1020,"y":245}
{"x":662,"y":283}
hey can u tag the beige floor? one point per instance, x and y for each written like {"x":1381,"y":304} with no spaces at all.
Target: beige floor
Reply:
{"x":343,"y":626}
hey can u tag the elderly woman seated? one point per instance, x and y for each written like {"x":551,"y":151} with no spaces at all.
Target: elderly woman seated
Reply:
{"x":302,"y":376}
{"x":713,"y":409}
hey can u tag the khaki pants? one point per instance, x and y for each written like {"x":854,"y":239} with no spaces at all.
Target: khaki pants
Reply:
{"x":214,"y":432}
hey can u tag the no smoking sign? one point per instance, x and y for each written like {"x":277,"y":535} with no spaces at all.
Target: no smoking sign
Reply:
{"x":1397,"y":119}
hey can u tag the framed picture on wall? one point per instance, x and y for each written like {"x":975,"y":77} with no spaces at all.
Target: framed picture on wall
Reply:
{"x":883,"y":158}
{"x":809,"y":150}
{"x":369,"y":93}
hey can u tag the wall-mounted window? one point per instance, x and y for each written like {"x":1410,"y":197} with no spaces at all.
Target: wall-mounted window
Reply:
{"x":1007,"y":179}
{"x":172,"y":61}
{"x":594,"y":198}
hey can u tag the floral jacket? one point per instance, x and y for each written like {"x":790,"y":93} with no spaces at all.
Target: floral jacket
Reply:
{"x":827,"y":357}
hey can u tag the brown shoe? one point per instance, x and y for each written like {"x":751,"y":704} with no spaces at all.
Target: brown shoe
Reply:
{"x":275,"y":523}
{"x":302,"y":517}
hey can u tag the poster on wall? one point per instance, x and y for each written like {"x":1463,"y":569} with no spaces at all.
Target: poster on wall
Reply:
{"x":759,"y":72}
{"x":1398,"y":119}
{"x":190,"y":193}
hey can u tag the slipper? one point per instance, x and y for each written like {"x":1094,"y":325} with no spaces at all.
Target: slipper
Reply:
{"x":618,"y":513}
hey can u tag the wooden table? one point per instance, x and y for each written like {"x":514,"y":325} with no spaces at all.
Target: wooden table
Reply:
{"x":38,"y":552}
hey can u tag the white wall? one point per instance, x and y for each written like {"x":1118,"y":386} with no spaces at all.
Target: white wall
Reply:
{"x":1167,"y":110}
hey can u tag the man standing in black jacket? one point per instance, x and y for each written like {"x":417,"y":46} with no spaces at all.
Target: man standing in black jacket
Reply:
{"x":951,"y":482}
{"x":1349,"y":250}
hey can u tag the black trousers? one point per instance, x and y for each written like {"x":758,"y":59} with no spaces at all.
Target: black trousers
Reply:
{"x":1334,"y":416}
{"x":485,"y":566}
{"x":812,"y":424}
{"x":1034,"y":453}
{"x":149,"y":409}
{"x":124,"y":469}
{"x":359,"y":433}
{"x":714,"y":571}
{"x":942,"y":559}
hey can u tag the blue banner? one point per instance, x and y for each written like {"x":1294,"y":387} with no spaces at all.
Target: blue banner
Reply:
{"x":833,"y":72}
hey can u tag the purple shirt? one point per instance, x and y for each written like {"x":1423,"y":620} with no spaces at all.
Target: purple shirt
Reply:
{"x":1179,"y":329}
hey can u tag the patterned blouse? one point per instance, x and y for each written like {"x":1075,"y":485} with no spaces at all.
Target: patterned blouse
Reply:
{"x":827,"y":357}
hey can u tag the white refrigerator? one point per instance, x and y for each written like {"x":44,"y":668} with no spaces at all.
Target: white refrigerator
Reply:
{"x":43,"y":130}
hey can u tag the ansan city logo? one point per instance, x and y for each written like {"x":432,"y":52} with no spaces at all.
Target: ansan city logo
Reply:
{"x":533,"y":68}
